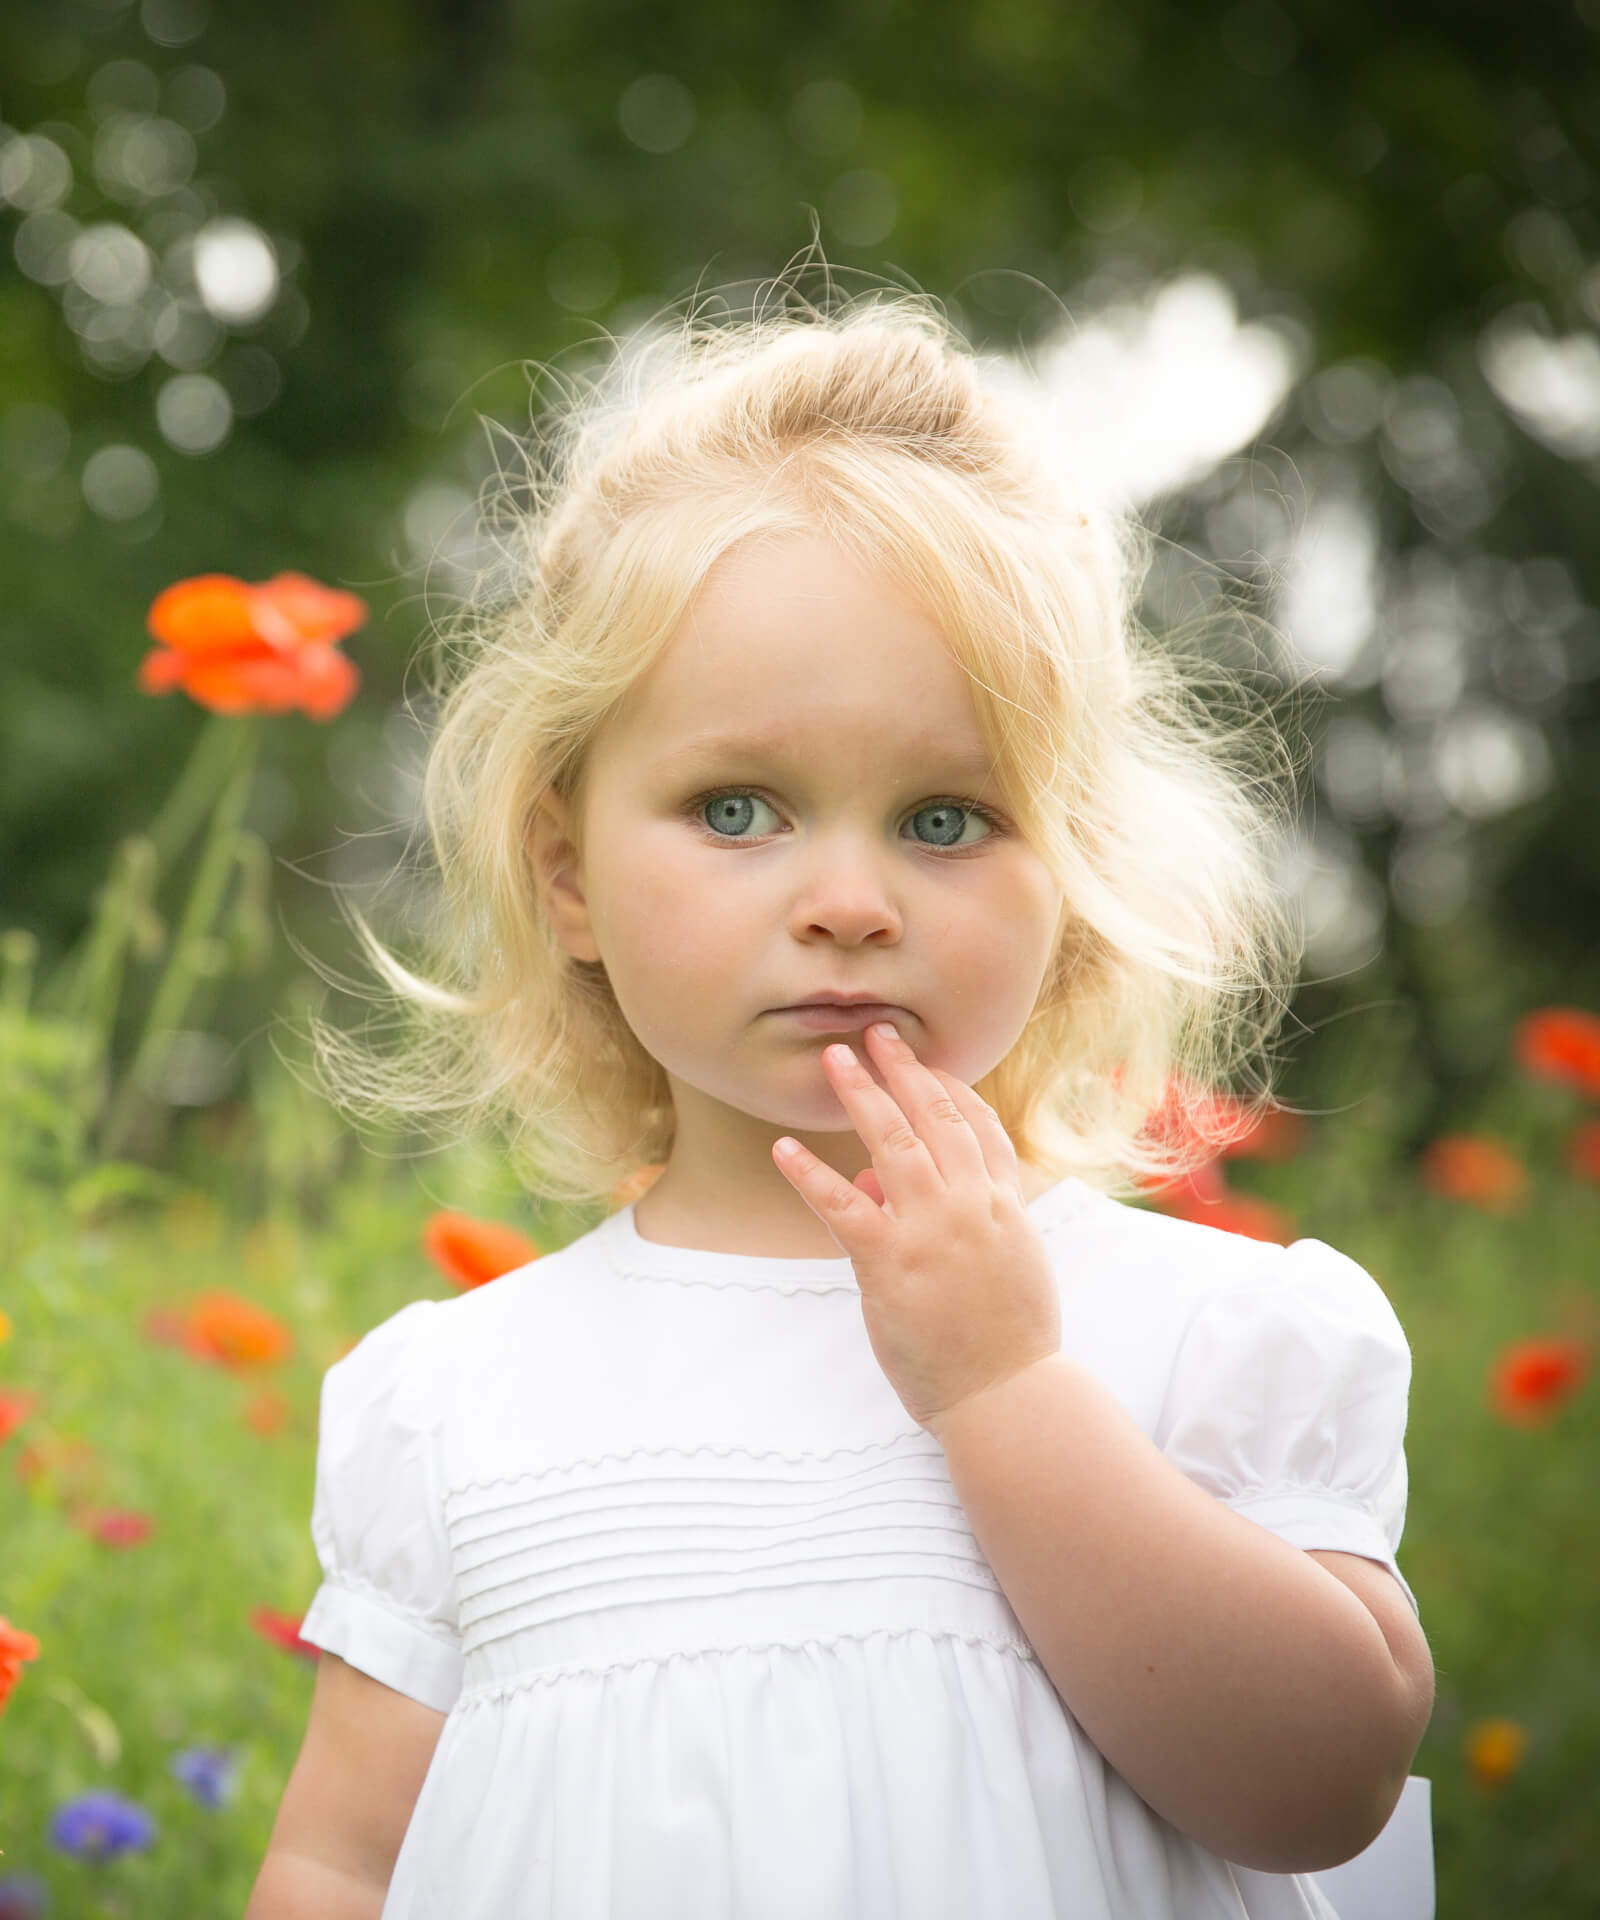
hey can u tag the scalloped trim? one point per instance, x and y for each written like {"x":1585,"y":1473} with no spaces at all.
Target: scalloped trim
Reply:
{"x":1315,"y":1491}
{"x":429,"y":1623}
{"x":690,"y":1453}
{"x":491,"y":1691}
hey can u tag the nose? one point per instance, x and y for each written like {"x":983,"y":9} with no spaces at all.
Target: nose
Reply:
{"x":844,"y":898}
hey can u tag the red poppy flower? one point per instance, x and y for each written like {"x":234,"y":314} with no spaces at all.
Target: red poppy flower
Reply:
{"x":1561,"y":1044}
{"x":14,"y":1409}
{"x":1202,"y":1186}
{"x":234,"y":1333}
{"x":1472,"y":1168}
{"x":283,"y":1630}
{"x":1201,"y":1120}
{"x":1277,"y":1134}
{"x":15,"y":1648}
{"x":1240,"y":1213}
{"x":1583,"y":1153}
{"x":470,"y":1252}
{"x":118,"y":1527}
{"x":265,"y":648}
{"x":1531,"y":1378}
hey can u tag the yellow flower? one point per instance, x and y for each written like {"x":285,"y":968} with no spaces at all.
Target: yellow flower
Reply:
{"x":5,"y":1326}
{"x":1494,"y":1752}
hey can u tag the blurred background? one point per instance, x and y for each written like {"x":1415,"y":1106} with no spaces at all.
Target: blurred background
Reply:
{"x":1315,"y":287}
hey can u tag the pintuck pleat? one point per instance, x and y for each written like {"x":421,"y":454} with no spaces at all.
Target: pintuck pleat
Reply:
{"x":668,"y":1549}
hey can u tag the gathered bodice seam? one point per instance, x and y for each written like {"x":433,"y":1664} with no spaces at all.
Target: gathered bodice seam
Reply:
{"x":488,"y":1692}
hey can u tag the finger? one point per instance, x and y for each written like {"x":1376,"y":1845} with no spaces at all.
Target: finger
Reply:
{"x":900,"y":1157}
{"x":852,"y":1216}
{"x":999,"y":1152}
{"x":869,"y":1184}
{"x":942,"y":1122}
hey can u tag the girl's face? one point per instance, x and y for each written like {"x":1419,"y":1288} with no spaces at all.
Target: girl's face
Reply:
{"x":795,"y":802}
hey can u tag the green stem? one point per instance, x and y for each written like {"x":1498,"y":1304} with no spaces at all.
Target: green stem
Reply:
{"x":95,"y":974}
{"x":192,"y":944}
{"x":222,"y":743}
{"x":215,"y":754}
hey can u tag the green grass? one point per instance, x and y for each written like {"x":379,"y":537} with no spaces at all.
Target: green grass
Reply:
{"x":151,"y":1649}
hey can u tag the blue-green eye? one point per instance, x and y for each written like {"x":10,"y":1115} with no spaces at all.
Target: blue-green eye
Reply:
{"x":945,"y":824}
{"x":732,"y":815}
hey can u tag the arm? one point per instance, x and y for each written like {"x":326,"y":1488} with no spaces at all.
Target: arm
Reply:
{"x":1265,"y":1701}
{"x":348,"y":1801}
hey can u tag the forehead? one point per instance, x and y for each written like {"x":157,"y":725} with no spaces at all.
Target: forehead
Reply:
{"x":790,"y":642}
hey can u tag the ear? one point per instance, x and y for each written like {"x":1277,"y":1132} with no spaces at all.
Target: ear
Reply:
{"x":558,"y":876}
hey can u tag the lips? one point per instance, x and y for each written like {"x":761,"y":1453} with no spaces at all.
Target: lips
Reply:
{"x":833,"y":1016}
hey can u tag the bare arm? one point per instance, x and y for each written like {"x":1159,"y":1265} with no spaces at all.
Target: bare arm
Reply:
{"x":348,"y":1801}
{"x":1265,"y":1701}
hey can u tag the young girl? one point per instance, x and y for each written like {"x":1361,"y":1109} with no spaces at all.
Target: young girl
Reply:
{"x":876,"y":1518}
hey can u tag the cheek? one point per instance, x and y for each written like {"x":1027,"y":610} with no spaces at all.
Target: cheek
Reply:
{"x":664,"y":934}
{"x":1009,"y":936}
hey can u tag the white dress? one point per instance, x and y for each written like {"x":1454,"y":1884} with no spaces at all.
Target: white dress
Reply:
{"x":712,"y":1632}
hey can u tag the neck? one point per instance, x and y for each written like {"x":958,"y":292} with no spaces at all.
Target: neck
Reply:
{"x":721,"y":1193}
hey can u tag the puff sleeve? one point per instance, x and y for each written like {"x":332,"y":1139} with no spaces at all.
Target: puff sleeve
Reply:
{"x":1288,"y":1399}
{"x":387,"y":1600}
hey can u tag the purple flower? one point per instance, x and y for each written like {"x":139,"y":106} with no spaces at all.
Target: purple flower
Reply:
{"x":208,"y":1773}
{"x":22,"y":1897}
{"x":99,"y":1826}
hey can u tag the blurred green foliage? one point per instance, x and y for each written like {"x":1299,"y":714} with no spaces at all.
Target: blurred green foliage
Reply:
{"x":456,"y":190}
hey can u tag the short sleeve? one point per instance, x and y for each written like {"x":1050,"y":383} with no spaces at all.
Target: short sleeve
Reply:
{"x":387,"y":1601}
{"x":1288,"y":1401}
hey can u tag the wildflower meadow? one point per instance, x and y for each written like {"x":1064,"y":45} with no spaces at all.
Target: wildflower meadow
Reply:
{"x":178,"y":1273}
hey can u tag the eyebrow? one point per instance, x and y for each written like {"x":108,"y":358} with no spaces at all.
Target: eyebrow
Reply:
{"x":957,"y":764}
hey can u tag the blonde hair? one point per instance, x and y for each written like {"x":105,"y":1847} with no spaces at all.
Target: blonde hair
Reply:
{"x":872,"y":424}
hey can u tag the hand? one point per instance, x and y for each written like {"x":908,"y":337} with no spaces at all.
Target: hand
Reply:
{"x":957,"y":1289}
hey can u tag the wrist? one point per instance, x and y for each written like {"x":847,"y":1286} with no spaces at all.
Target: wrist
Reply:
{"x":1000,"y":1399}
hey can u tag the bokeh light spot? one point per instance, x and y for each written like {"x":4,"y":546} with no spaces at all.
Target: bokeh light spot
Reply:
{"x":826,"y":116}
{"x":656,"y":113}
{"x":194,"y":413}
{"x":196,"y":98}
{"x":582,"y":274}
{"x":1106,"y":194}
{"x":1551,"y":387}
{"x":122,"y":86}
{"x":1328,"y":602}
{"x":173,"y":23}
{"x":43,"y":247}
{"x":110,"y":263}
{"x":140,"y":158}
{"x":35,"y":174}
{"x":861,"y":208}
{"x":235,"y":270}
{"x":120,"y":482}
{"x":185,"y":337}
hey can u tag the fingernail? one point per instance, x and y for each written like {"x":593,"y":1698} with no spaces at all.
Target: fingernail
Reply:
{"x":884,"y":1029}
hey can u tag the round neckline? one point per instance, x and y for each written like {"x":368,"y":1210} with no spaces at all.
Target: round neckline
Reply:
{"x":630,"y":1254}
